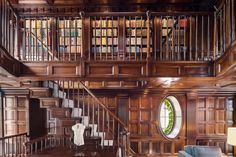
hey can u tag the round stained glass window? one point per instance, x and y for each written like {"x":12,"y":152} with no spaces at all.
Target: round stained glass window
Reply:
{"x":170,"y":117}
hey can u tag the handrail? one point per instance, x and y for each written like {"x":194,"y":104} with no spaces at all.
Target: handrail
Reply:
{"x":114,"y":116}
{"x":45,"y":46}
{"x":46,"y":142}
{"x":11,"y":136}
{"x":13,"y":145}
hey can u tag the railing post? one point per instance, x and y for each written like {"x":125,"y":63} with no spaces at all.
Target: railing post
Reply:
{"x":215,"y":48}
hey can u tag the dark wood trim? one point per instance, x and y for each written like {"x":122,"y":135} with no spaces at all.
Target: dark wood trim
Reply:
{"x":191,"y":118}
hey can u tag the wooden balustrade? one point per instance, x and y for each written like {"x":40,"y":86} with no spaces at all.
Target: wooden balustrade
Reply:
{"x":13,"y":145}
{"x":46,"y":142}
{"x":9,"y":28}
{"x":129,"y":37}
{"x":158,"y":36}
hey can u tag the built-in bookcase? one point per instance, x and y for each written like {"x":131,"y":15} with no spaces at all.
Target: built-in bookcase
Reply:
{"x":38,"y":39}
{"x":137,"y":33}
{"x":69,"y":38}
{"x":104,"y":36}
{"x":173,"y":38}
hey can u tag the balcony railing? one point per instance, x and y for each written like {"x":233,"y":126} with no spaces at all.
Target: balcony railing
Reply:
{"x":9,"y":27}
{"x":185,"y":36}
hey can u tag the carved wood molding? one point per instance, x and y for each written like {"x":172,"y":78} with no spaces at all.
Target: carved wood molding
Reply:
{"x":115,"y":70}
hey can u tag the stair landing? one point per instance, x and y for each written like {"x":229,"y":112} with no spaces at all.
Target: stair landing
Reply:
{"x":67,"y":152}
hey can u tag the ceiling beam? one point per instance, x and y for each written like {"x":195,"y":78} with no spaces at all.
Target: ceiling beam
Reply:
{"x":50,"y":2}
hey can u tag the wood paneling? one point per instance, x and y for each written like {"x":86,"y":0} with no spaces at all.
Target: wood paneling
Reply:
{"x":213,"y":118}
{"x":10,"y":64}
{"x":49,"y":102}
{"x":15,"y":114}
{"x":172,"y":69}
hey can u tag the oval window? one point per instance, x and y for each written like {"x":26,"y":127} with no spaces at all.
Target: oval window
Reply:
{"x":170,"y":117}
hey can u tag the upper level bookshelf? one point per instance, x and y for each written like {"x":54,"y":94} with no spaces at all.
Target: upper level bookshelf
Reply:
{"x":37,"y":38}
{"x":173,"y":36}
{"x":104,"y":36}
{"x":117,"y":36}
{"x":137,"y":33}
{"x":69,"y":38}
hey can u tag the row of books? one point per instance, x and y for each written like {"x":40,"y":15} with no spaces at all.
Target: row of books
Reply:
{"x":70,"y":49}
{"x":104,"y":32}
{"x":70,"y":32}
{"x":69,"y":41}
{"x":104,"y":49}
{"x":136,"y":23}
{"x":104,"y":23}
{"x":43,"y":23}
{"x":176,"y":32}
{"x":136,"y":49}
{"x":105,"y":41}
{"x":70,"y":23}
{"x":136,"y":32}
{"x":166,"y":22}
{"x":137,"y":41}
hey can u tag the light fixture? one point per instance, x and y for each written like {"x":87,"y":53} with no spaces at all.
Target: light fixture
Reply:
{"x":231,"y":138}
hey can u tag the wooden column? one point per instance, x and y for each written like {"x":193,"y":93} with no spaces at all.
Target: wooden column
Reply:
{"x":86,"y":37}
{"x":215,"y":48}
{"x":1,"y":116}
{"x":191,"y":118}
{"x":234,"y":121}
{"x":232,"y":21}
{"x":148,"y":34}
{"x":227,"y":24}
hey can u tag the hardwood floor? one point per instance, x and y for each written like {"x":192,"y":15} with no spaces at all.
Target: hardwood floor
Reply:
{"x":67,"y":152}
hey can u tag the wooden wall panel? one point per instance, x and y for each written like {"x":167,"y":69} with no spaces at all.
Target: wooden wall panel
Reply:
{"x":1,"y":116}
{"x":15,"y":114}
{"x":214,"y":115}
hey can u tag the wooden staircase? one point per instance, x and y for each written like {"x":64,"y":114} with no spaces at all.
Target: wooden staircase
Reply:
{"x":68,"y":103}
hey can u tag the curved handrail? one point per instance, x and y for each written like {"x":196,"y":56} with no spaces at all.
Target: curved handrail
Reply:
{"x":101,"y":104}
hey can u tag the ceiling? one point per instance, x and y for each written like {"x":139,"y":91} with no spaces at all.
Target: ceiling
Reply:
{"x":122,"y":5}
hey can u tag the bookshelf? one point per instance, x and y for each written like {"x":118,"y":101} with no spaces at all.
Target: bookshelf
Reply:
{"x":69,"y":37}
{"x":104,"y":36}
{"x":173,"y":31}
{"x":38,"y":38}
{"x":137,"y":36}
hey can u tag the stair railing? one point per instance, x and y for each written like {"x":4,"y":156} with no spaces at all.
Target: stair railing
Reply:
{"x":120,"y":130}
{"x":46,"y":142}
{"x":13,"y":145}
{"x":95,"y":114}
{"x":35,"y":49}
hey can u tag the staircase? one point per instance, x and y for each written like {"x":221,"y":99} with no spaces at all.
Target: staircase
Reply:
{"x":71,"y":102}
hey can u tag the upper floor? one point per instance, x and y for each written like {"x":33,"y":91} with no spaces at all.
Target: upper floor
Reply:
{"x":59,"y":42}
